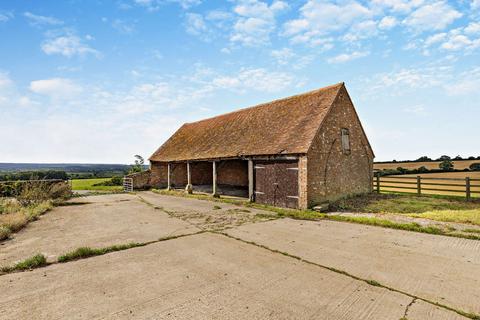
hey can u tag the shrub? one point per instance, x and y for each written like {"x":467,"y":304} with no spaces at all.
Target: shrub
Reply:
{"x":475,"y":166}
{"x":38,"y":191}
{"x":114,"y":181}
{"x":446,"y":165}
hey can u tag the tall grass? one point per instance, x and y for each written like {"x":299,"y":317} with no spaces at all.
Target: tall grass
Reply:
{"x":33,"y":200}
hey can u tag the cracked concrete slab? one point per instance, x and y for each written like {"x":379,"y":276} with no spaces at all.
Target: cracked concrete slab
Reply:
{"x":207,"y":215}
{"x":205,"y":276}
{"x":441,"y":269}
{"x":105,"y":220}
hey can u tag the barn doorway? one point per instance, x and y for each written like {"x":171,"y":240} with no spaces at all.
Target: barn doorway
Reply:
{"x":276,"y":183}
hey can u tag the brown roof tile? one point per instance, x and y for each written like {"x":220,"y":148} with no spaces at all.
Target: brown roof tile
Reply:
{"x":285,"y":126}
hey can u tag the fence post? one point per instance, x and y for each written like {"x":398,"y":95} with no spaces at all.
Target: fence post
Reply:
{"x":467,"y":188}
{"x":419,"y":185}
{"x":378,"y":182}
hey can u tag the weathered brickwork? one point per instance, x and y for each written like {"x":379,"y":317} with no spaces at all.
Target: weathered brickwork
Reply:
{"x":158,"y":174}
{"x":202,"y":173}
{"x":141,"y":180}
{"x":302,"y":182}
{"x":229,"y":172}
{"x":233,"y":173}
{"x":178,"y":175}
{"x":332,"y":173}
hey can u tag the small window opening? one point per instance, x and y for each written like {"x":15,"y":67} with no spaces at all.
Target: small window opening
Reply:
{"x":346,"y":141}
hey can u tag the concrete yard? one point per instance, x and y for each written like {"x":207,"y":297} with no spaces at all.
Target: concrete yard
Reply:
{"x":441,"y":269}
{"x":214,"y":276}
{"x":105,"y":220}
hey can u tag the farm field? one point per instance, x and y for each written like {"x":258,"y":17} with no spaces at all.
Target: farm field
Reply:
{"x":458,"y":164}
{"x":450,"y":189}
{"x":89,"y":184}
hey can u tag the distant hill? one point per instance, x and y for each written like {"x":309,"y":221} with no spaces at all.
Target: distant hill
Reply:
{"x":67,"y":167}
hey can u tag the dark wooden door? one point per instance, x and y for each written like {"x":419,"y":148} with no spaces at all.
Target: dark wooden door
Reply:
{"x":276,"y":183}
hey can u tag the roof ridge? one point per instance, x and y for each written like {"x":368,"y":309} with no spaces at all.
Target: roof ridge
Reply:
{"x":340,"y":84}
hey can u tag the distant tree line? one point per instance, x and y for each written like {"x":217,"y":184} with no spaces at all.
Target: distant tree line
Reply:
{"x":428,"y":159}
{"x":446,"y":165}
{"x":34,"y":175}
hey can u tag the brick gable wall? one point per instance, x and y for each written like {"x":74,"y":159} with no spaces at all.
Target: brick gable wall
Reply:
{"x":332,"y":174}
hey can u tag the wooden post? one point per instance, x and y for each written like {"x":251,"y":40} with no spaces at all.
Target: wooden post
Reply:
{"x":189,"y":187}
{"x":467,"y":188}
{"x":169,"y":176}
{"x":419,"y":185}
{"x":378,"y":182}
{"x":214,"y":179}
{"x":250,"y":181}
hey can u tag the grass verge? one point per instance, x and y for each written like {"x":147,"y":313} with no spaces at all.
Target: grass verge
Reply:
{"x":14,"y":217}
{"x":402,"y":204}
{"x":37,"y":261}
{"x":85,"y":252}
{"x":460,"y":216}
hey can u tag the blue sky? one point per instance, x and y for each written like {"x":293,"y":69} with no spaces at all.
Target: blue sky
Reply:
{"x":100,"y":81}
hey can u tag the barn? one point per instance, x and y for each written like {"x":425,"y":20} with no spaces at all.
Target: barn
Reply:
{"x":294,"y":152}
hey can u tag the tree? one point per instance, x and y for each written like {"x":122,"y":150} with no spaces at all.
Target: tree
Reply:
{"x":423,"y":159}
{"x":475,"y":166}
{"x":138,"y":166}
{"x":458,"y":158}
{"x":446,"y":165}
{"x":402,"y":170}
{"x":442,"y":158}
{"x":422,"y":169}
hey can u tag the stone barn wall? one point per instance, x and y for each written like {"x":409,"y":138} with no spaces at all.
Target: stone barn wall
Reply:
{"x":233,"y":173}
{"x":332,"y":173}
{"x":202,"y":173}
{"x":179,"y":175}
{"x":158,"y":174}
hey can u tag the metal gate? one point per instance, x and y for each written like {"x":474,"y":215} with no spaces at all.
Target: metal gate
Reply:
{"x":276,"y":183}
{"x":127,"y":184}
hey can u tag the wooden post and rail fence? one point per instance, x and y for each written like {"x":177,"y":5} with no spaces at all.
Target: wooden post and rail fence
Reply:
{"x":467,"y":187}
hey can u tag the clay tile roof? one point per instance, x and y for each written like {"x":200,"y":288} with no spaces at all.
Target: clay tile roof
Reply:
{"x":285,"y":126}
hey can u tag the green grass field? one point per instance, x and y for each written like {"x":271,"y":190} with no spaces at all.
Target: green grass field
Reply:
{"x":440,"y":208}
{"x":88,"y":184}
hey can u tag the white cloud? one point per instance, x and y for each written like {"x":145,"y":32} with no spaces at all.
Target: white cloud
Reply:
{"x":460,"y":39}
{"x":283,"y":55}
{"x":255,"y":22}
{"x":417,"y":110}
{"x":56,"y":88}
{"x":41,"y":20}
{"x":123,"y":26}
{"x":5,"y":81}
{"x":473,"y":28}
{"x":254,"y":79}
{"x":387,"y":22}
{"x":345,"y":57}
{"x":362,"y":30}
{"x":320,"y":17}
{"x":5,"y":16}
{"x":400,"y":6}
{"x":435,"y":16}
{"x":154,"y":5}
{"x":195,"y":24}
{"x":67,"y":45}
{"x":475,"y":4}
{"x":467,"y":83}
